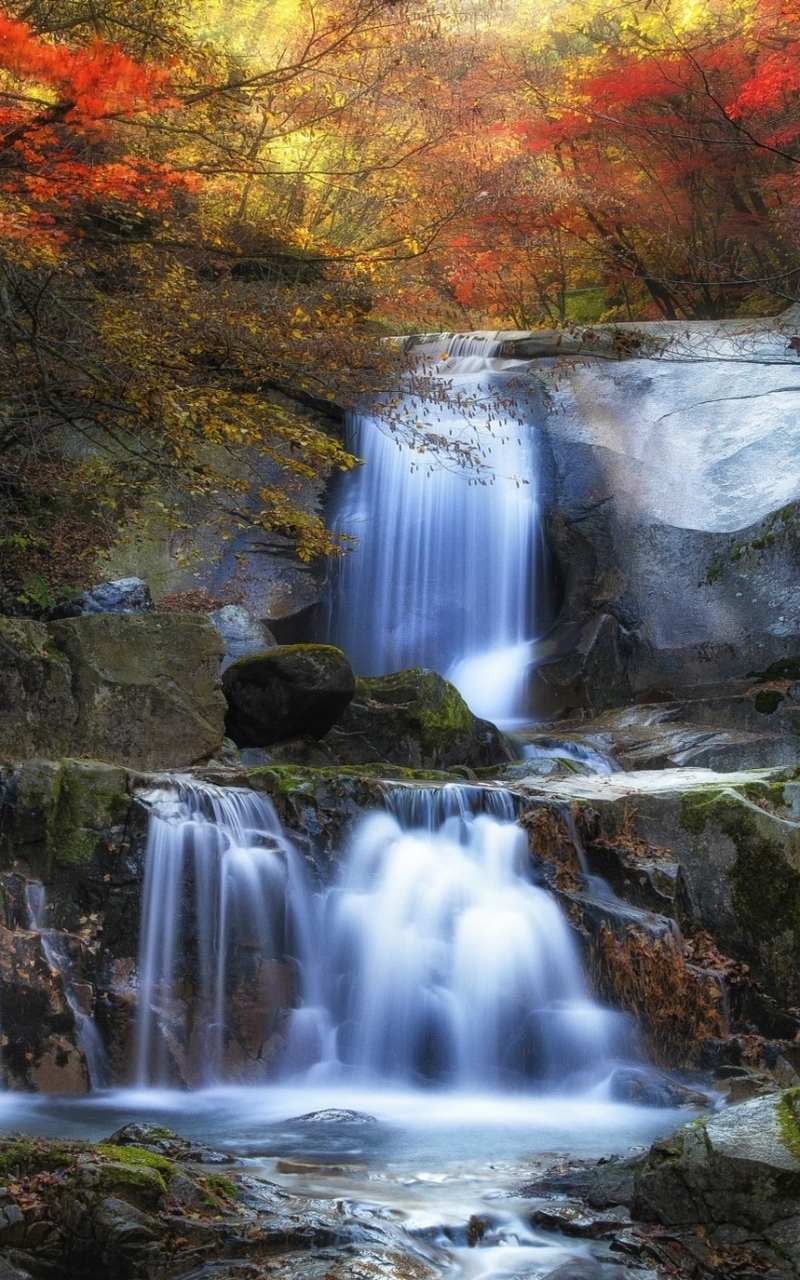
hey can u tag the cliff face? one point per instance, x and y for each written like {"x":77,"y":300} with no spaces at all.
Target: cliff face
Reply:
{"x":672,"y":485}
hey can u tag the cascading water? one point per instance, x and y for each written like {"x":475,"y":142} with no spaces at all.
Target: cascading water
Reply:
{"x":432,"y":958}
{"x":223,"y":913}
{"x":55,"y":949}
{"x":444,"y":962}
{"x":448,"y":567}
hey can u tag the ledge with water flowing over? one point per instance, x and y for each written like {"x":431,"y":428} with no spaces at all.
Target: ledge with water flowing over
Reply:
{"x":667,"y":474}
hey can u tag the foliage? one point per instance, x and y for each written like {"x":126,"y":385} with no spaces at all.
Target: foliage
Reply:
{"x":200,"y":208}
{"x":146,"y":324}
{"x":656,"y":155}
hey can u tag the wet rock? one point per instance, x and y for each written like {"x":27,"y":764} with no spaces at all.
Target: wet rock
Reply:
{"x":333,"y":1115}
{"x":613,"y":1182}
{"x":39,"y":706}
{"x":735,"y":837}
{"x":736,"y":1175}
{"x":124,"y":595}
{"x":416,"y":719}
{"x":9,"y":1272}
{"x":147,"y":687}
{"x":651,"y":1089}
{"x":572,"y":1218}
{"x":584,"y":1269}
{"x":243,"y":634}
{"x":286,"y":692}
{"x":40,"y":1049}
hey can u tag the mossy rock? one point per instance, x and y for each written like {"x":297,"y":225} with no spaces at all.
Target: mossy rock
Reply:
{"x":90,"y":798}
{"x":62,"y":812}
{"x":147,"y":687}
{"x":22,"y":1157}
{"x":416,"y":719}
{"x":36,"y":694}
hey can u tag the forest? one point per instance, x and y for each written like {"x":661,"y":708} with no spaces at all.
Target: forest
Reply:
{"x":211,"y":216}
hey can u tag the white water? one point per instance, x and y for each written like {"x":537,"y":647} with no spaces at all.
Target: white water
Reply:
{"x":449,"y":550}
{"x":221,"y":879}
{"x":432,"y":958}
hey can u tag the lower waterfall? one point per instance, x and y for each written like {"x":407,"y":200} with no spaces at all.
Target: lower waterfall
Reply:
{"x":432,"y":957}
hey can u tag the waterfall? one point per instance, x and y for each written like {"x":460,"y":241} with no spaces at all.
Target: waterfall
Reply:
{"x":450,"y":549}
{"x":444,"y":963}
{"x":55,"y":948}
{"x":432,"y":957}
{"x":223,"y":915}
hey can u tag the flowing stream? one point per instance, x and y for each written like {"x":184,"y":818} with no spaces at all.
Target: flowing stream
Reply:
{"x":444,"y":1047}
{"x":429,"y":1001}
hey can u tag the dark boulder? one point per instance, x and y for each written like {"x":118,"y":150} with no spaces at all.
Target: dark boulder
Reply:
{"x":416,"y":719}
{"x":286,"y":692}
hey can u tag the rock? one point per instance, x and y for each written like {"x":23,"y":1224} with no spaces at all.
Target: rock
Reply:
{"x":39,"y":707}
{"x":416,"y":719}
{"x":243,"y":634}
{"x":125,"y":595}
{"x":736,"y":1175}
{"x":584,"y":1269}
{"x":651,"y":502}
{"x":572,"y":1218}
{"x":286,"y":692}
{"x":613,"y":1182}
{"x":648,"y":1088}
{"x":147,"y":687}
{"x":40,"y":1050}
{"x":736,"y":837}
{"x":333,"y":1115}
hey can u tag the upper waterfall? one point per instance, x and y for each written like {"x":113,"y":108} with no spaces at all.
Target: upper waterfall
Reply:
{"x":449,"y":559}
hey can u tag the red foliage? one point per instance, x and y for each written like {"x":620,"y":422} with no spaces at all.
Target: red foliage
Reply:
{"x":58,"y":150}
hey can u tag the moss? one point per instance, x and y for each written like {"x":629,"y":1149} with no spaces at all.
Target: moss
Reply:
{"x":145,"y":1183}
{"x":290,"y":778}
{"x":23,"y":1157}
{"x":136,"y":1157}
{"x":788,"y":1113}
{"x":783,"y":669}
{"x":767,"y":701}
{"x":765,"y":887}
{"x":219,"y":1185}
{"x":697,"y":807}
{"x":766,"y":792}
{"x":88,"y":799}
{"x":713,"y":574}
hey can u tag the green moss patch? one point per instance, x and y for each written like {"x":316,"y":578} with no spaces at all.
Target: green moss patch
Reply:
{"x":767,"y":701}
{"x":219,"y":1185}
{"x":788,"y":1111}
{"x":89,"y":798}
{"x":136,"y":1157}
{"x":24,"y":1157}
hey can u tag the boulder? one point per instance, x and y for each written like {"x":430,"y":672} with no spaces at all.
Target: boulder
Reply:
{"x":286,"y":692}
{"x":243,"y":634}
{"x":124,"y":595}
{"x":39,"y":710}
{"x":416,"y":719}
{"x":736,"y":1175}
{"x":146,"y":685}
{"x":671,"y":479}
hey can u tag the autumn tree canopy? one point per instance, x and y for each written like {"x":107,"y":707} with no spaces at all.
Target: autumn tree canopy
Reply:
{"x":210,"y":213}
